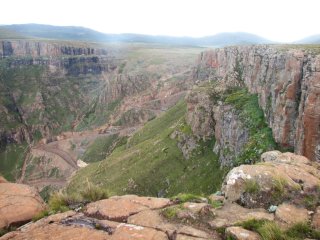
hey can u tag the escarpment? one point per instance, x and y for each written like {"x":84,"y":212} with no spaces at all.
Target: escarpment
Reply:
{"x":286,"y":81}
{"x":10,"y":48}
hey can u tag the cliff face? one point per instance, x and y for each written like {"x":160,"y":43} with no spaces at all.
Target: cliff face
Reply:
{"x":36,"y":87}
{"x":41,"y":49}
{"x":287,"y":81}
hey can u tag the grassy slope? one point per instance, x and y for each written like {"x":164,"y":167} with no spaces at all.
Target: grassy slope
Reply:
{"x":152,"y":164}
{"x":12,"y":160}
{"x":102,"y":147}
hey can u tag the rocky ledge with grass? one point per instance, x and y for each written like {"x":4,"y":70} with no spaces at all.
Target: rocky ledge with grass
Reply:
{"x":277,"y":198}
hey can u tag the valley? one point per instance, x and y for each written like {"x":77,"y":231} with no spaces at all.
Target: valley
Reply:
{"x":150,"y":137}
{"x":63,"y":100}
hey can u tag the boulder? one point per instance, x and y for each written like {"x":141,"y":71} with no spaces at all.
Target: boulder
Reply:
{"x":281,"y":177}
{"x":291,"y":214}
{"x":240,"y":233}
{"x":130,"y":204}
{"x":18,"y":203}
{"x":270,"y":156}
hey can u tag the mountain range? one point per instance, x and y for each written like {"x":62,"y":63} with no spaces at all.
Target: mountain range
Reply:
{"x":18,"y":31}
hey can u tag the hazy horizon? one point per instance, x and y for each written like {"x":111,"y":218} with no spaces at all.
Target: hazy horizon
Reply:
{"x":286,"y":21}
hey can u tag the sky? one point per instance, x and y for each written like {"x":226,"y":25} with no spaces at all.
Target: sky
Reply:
{"x":277,"y":20}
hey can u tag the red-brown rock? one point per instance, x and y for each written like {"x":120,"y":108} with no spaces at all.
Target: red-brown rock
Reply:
{"x":18,"y":203}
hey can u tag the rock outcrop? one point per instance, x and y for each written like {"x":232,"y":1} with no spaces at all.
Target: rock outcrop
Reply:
{"x":40,"y":49}
{"x":140,"y":219}
{"x":286,"y":80}
{"x":280,"y":177}
{"x":220,"y":217}
{"x":18,"y":204}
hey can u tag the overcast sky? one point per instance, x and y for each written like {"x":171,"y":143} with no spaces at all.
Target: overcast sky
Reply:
{"x":277,"y":20}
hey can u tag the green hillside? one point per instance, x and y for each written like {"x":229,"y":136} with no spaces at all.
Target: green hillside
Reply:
{"x":151,"y":164}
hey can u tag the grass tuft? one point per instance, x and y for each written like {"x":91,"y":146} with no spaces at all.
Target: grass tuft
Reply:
{"x":93,"y":193}
{"x":251,"y":186}
{"x":187,"y":197}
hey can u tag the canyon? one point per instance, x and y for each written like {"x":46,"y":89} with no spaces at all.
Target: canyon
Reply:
{"x":157,"y":120}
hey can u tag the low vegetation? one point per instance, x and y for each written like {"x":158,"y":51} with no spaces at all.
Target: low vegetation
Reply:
{"x":187,"y":197}
{"x":102,"y":147}
{"x":251,"y":186}
{"x":271,"y":231}
{"x":260,"y":139}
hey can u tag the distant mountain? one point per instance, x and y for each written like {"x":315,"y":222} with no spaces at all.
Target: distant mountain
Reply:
{"x":233,"y":38}
{"x":86,"y":34}
{"x":314,"y":39}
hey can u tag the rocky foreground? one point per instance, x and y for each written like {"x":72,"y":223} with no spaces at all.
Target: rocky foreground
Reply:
{"x":283,"y":189}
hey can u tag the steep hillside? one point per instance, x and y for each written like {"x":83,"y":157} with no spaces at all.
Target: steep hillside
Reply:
{"x":151,"y":162}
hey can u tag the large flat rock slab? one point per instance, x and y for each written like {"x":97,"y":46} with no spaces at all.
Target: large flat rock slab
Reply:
{"x":119,"y":208}
{"x":134,"y":232}
{"x":18,"y":203}
{"x":230,"y":214}
{"x":56,"y":231}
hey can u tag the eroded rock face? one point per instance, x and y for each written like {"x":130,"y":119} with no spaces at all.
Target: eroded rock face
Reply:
{"x":18,"y":203}
{"x":284,"y":176}
{"x":36,"y":49}
{"x":286,"y":81}
{"x":210,"y":118}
